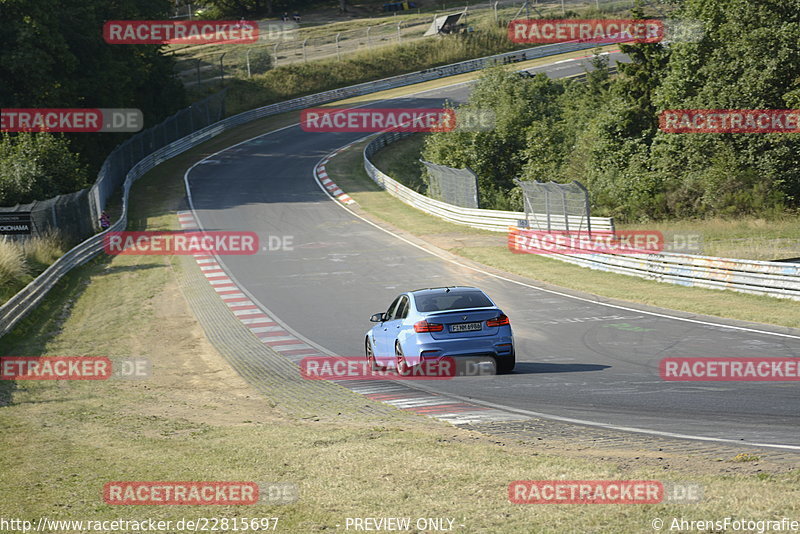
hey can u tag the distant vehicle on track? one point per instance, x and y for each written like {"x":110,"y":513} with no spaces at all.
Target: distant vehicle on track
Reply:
{"x":430,"y":324}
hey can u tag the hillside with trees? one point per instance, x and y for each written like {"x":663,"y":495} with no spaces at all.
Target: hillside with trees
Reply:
{"x":52,"y":55}
{"x":605,"y":133}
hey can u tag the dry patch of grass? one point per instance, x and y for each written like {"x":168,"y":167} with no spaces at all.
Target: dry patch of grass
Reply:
{"x":749,"y":238}
{"x":22,"y":261}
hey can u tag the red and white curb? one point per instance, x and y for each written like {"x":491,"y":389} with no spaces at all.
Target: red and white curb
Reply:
{"x":267,"y":329}
{"x":322,"y":177}
{"x":264,"y":327}
{"x":430,"y":404}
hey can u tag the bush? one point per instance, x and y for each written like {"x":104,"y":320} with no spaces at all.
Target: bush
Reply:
{"x":37,"y":166}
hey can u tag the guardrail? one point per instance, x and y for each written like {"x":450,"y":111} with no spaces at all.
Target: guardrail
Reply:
{"x":18,"y":306}
{"x":494,"y":220}
{"x":772,"y":278}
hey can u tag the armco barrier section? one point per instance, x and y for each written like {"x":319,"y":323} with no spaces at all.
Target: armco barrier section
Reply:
{"x":772,"y":278}
{"x":494,"y":220}
{"x":26,"y":300}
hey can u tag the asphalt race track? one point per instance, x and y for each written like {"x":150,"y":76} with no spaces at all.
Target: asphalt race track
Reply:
{"x":571,"y":362}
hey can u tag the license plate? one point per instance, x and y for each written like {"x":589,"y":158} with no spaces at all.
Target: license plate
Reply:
{"x":465,"y":327}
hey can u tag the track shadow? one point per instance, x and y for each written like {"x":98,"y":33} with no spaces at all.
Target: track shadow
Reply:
{"x":129,"y":268}
{"x":7,"y":388}
{"x":540,"y":368}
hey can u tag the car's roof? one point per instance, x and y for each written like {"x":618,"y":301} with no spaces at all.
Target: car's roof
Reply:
{"x":429,"y":290}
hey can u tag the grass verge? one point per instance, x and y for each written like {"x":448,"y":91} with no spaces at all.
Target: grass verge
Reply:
{"x":489,"y":248}
{"x":21,"y":262}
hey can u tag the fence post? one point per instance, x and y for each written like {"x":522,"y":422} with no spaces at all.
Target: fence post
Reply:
{"x":247,"y":58}
{"x":305,"y":58}
{"x":547,"y":207}
{"x":338,"y":56}
{"x":588,"y":207}
{"x":369,"y":43}
{"x":275,"y":54}
{"x":197,"y":69}
{"x":222,"y":70}
{"x":399,"y":39}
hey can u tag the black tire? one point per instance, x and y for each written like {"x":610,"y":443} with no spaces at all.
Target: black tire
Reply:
{"x":371,"y":356}
{"x":505,"y":364}
{"x":402,"y":365}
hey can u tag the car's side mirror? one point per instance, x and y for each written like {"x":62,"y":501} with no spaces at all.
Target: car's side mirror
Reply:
{"x":377,"y":318}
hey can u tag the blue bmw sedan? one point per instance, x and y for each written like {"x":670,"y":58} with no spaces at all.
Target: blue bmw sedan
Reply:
{"x":429,"y":324}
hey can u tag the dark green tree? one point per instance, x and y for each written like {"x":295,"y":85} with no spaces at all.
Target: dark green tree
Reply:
{"x":52,"y":54}
{"x":36,"y":167}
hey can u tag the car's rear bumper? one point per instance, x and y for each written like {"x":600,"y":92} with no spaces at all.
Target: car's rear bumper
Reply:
{"x":434,"y":349}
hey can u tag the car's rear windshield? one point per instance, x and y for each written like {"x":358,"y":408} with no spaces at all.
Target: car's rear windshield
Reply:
{"x":452,"y":300}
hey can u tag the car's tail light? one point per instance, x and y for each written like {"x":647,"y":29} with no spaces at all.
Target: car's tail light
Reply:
{"x":498,"y":321}
{"x":425,"y":326}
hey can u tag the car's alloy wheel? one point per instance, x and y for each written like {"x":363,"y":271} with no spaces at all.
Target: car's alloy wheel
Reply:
{"x":371,"y":357}
{"x":402,"y":364}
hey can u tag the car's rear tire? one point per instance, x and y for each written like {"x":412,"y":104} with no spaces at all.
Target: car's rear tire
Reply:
{"x":371,"y":357}
{"x":402,"y":365}
{"x":505,"y":364}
